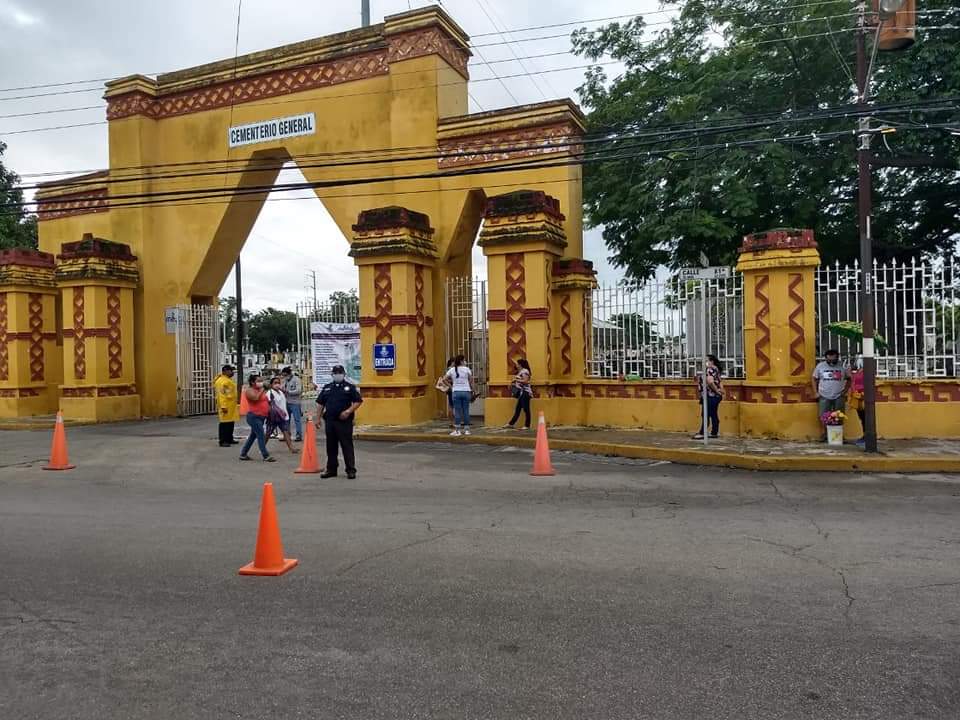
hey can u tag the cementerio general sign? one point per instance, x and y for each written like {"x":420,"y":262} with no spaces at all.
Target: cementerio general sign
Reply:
{"x":270,"y":130}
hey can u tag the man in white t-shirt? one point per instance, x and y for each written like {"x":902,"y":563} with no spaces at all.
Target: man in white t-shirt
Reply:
{"x":460,"y":380}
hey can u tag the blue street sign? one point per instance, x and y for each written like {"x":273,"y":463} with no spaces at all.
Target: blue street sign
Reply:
{"x":385,"y":357}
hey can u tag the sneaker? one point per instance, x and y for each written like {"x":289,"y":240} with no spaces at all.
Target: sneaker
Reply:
{"x":508,"y":426}
{"x":245,"y":458}
{"x":455,"y":433}
{"x":714,"y":436}
{"x":466,"y":431}
{"x":269,"y":458}
{"x":698,"y":436}
{"x":298,"y":439}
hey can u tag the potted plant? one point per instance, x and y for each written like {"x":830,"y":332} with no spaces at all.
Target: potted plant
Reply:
{"x":833,"y":421}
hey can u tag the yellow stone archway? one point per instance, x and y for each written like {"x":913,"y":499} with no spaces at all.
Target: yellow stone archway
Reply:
{"x":382,"y":123}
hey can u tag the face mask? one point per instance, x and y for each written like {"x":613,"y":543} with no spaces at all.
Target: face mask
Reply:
{"x":338,"y":377}
{"x":834,"y":361}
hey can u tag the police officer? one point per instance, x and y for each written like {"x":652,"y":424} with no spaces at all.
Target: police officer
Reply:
{"x":338,"y":401}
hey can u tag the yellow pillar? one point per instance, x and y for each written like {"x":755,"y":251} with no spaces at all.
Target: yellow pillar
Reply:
{"x":30,"y":367}
{"x":779,"y":332}
{"x":394,"y":250}
{"x":522,"y":236}
{"x":97,"y":279}
{"x":573,"y":282}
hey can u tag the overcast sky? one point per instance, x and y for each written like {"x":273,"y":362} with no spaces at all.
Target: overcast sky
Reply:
{"x":49,"y":41}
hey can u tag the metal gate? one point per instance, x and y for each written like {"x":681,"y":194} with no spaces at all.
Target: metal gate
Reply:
{"x":466,"y":308}
{"x":198,"y":358}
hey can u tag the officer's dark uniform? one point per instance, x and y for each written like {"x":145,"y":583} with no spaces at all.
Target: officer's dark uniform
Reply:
{"x":335,"y":397}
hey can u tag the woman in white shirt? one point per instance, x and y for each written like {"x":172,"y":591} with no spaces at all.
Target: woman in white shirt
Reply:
{"x":278,"y":401}
{"x":461,"y":382}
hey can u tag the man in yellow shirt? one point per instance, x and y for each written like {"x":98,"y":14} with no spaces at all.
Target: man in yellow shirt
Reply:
{"x":225,"y":389}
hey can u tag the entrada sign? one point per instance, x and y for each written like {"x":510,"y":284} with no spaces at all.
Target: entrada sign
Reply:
{"x":276,"y":129}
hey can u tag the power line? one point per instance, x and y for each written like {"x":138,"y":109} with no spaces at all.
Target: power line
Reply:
{"x":609,"y":135}
{"x":171,"y":196}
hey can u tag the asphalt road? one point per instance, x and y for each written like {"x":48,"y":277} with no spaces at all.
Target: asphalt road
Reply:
{"x":446,"y":583}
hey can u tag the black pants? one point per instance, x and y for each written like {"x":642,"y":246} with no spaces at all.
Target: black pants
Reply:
{"x":523,"y":403}
{"x":226,"y":433}
{"x":713,"y":415}
{"x":340,"y":434}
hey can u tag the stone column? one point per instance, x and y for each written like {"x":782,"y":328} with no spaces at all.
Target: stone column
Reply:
{"x":394,"y":250}
{"x":573,"y":282}
{"x":97,"y":279}
{"x":30,"y":368}
{"x":522,"y":236}
{"x":779,"y":332}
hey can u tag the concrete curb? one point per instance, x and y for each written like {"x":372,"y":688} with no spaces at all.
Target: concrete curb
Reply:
{"x":691,"y":456}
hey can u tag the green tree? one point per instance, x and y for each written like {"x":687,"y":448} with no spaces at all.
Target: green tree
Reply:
{"x":272,"y":329}
{"x":18,"y":228}
{"x":345,"y":305}
{"x":723,"y":62}
{"x":228,"y":312}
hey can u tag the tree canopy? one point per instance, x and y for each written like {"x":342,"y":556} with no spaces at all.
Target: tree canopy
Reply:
{"x":272,"y":329}
{"x":722,"y":63}
{"x":17,"y":227}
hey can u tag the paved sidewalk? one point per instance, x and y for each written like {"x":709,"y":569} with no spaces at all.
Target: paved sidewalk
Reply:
{"x":748,"y":453}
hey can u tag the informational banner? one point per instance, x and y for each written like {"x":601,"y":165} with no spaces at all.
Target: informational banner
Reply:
{"x":335,"y":344}
{"x":270,"y":130}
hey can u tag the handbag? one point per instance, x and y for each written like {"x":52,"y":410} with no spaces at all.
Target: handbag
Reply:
{"x":516,"y":391}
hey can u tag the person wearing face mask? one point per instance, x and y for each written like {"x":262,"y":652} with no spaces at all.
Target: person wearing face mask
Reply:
{"x":338,"y":402}
{"x":830,"y":380}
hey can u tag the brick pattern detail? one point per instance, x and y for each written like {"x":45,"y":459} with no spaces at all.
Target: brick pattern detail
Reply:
{"x":243,"y":90}
{"x":395,"y":393}
{"x":383,"y":302}
{"x":419,"y":302}
{"x":587,"y":329}
{"x":114,"y":345}
{"x":35,"y":350}
{"x":798,"y":364}
{"x":79,"y":346}
{"x":99,"y":391}
{"x":428,"y":41}
{"x":762,"y":347}
{"x":516,"y":297}
{"x":549,"y":336}
{"x":511,"y":145}
{"x":566,"y":340}
{"x":4,"y":350}
{"x":62,"y":206}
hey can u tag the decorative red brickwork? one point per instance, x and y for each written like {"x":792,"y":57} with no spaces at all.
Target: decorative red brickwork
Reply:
{"x":510,"y":145}
{"x":244,"y":90}
{"x":79,"y":347}
{"x":395,"y":393}
{"x":798,"y":364}
{"x":428,"y":41}
{"x":114,"y":346}
{"x":81,"y":203}
{"x":99,"y":391}
{"x":4,"y":350}
{"x":779,"y":239}
{"x":587,"y":328}
{"x":421,"y":320}
{"x":35,"y":350}
{"x":566,"y":340}
{"x":762,"y":347}
{"x":383,"y":302}
{"x":549,"y":334}
{"x":516,"y":297}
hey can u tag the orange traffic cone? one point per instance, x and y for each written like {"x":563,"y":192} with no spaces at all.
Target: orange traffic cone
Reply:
{"x":268,"y":557}
{"x":541,"y":456}
{"x":308,"y":457}
{"x":58,"y":450}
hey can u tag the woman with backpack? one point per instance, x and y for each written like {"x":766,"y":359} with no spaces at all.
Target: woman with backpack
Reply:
{"x":522,"y":390}
{"x":258,"y":408}
{"x":461,"y":383}
{"x":278,"y":416}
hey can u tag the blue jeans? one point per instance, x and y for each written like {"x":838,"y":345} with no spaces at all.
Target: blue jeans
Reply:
{"x":461,"y":407}
{"x":256,"y":433}
{"x":296,"y":414}
{"x":713,"y":415}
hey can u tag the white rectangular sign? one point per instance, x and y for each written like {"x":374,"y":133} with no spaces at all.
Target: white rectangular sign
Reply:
{"x":335,"y":344}
{"x":707,"y":273}
{"x":270,"y":130}
{"x":171,"y":318}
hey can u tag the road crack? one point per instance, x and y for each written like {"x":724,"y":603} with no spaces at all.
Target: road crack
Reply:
{"x":398,"y":548}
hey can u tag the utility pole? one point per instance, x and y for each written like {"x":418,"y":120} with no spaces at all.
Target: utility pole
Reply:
{"x":864,"y":208}
{"x":312,"y":278}
{"x":364,"y":13}
{"x":239,"y":308}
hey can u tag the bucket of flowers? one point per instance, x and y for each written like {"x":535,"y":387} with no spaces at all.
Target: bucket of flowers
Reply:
{"x":833,"y":421}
